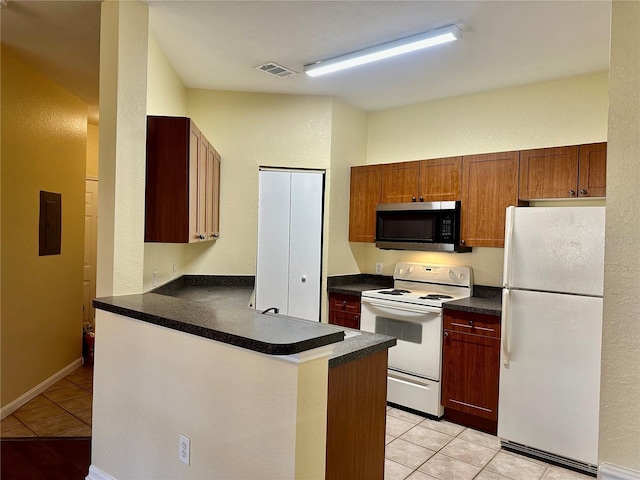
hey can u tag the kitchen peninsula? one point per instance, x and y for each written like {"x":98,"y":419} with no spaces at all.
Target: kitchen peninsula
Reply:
{"x":258,"y":395}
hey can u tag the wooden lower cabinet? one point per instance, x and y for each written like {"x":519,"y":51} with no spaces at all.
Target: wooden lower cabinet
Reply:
{"x":471,"y":369}
{"x":356,"y":418}
{"x":344,"y":310}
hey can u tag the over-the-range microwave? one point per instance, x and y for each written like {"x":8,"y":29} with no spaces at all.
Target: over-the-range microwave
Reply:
{"x":425,"y":226}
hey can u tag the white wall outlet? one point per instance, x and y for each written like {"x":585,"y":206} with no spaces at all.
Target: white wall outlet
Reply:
{"x":184,"y":450}
{"x":379,"y":268}
{"x":175,"y":270}
{"x":155,"y":278}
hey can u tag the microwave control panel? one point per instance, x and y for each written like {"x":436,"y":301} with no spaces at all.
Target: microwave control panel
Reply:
{"x":446,"y":227}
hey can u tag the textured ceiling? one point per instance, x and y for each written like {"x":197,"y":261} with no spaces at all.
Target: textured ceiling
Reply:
{"x":217,"y":44}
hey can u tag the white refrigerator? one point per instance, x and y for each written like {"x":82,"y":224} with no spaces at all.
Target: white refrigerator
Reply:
{"x":552,"y":333}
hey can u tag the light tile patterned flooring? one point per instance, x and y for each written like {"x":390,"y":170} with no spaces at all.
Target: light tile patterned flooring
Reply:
{"x":63,"y":410}
{"x":423,"y":449}
{"x":416,"y":448}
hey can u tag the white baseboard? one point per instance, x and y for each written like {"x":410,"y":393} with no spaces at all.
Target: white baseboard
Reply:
{"x":607,"y":471}
{"x":38,"y":389}
{"x":96,"y":474}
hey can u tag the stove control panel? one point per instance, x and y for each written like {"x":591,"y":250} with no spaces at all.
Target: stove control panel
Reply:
{"x":443,"y":274}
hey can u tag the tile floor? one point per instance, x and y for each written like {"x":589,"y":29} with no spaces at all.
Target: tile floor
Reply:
{"x":416,"y":448}
{"x":63,"y":410}
{"x":423,"y":449}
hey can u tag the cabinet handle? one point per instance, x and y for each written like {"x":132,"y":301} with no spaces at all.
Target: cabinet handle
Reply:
{"x":422,"y":199}
{"x":303,"y":279}
{"x":583,"y":192}
{"x":572,"y":192}
{"x":344,"y":302}
{"x":446,"y":334}
{"x":471,"y":322}
{"x":462,"y":242}
{"x":215,"y":235}
{"x":200,"y":237}
{"x":413,"y":199}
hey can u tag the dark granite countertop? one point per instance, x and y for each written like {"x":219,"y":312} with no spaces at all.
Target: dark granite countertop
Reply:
{"x":489,"y":302}
{"x":358,"y":283}
{"x":217,"y":308}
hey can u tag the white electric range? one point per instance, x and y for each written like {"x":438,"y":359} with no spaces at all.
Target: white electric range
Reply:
{"x":411,"y":311}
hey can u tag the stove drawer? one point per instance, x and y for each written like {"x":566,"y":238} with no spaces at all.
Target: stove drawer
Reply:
{"x":472,"y":323}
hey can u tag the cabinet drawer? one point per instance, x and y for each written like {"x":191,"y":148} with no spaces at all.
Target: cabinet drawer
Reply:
{"x":474,"y":323}
{"x":344,"y":303}
{"x":345,"y":319}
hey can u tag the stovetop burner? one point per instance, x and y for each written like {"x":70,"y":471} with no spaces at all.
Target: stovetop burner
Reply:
{"x":435,"y":296}
{"x":395,"y":291}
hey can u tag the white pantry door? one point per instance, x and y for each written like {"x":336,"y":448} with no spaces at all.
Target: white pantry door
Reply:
{"x":90,"y":248}
{"x":289,"y":260}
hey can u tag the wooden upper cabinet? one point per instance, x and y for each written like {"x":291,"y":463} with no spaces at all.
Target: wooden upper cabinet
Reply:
{"x":549,"y":173}
{"x":592,"y":168}
{"x":179,"y":182}
{"x":440,"y":179}
{"x":432,"y":180}
{"x":365,"y":194}
{"x":400,"y":182}
{"x":490,"y":185}
{"x":563,"y":172}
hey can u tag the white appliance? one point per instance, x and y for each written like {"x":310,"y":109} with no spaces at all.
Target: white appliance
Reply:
{"x":552,"y":333}
{"x":412,"y":312}
{"x":289,"y":256}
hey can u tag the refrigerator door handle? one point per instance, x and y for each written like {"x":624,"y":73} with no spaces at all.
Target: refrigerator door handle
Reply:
{"x":506,"y":276}
{"x":506,"y":324}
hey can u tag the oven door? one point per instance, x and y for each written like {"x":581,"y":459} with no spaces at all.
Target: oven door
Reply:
{"x":418,"y":330}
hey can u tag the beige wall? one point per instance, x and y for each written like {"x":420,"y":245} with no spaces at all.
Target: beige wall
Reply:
{"x":252,"y":130}
{"x":562,"y":112}
{"x":348,"y":147}
{"x":123,"y":131}
{"x":44,"y":147}
{"x":166,"y":95}
{"x":620,"y":392}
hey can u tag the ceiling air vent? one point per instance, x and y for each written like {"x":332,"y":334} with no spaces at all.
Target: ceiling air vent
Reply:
{"x":276,"y":70}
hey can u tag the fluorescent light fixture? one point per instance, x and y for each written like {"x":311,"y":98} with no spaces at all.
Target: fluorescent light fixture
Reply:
{"x":386,"y":50}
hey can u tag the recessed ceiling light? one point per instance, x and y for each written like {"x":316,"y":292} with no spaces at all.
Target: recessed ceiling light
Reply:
{"x":386,"y":50}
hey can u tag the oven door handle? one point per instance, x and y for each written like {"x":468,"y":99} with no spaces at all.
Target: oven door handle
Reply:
{"x":390,"y":307}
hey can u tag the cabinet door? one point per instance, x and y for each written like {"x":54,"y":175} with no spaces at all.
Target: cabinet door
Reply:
{"x":400,"y":182}
{"x":471,"y":364}
{"x":194,"y":182}
{"x":489,"y":186}
{"x":217,"y":161}
{"x":440,"y":179}
{"x":593,"y":170}
{"x":212,"y":202}
{"x":203,"y":186}
{"x":365,"y":194}
{"x":549,"y":173}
